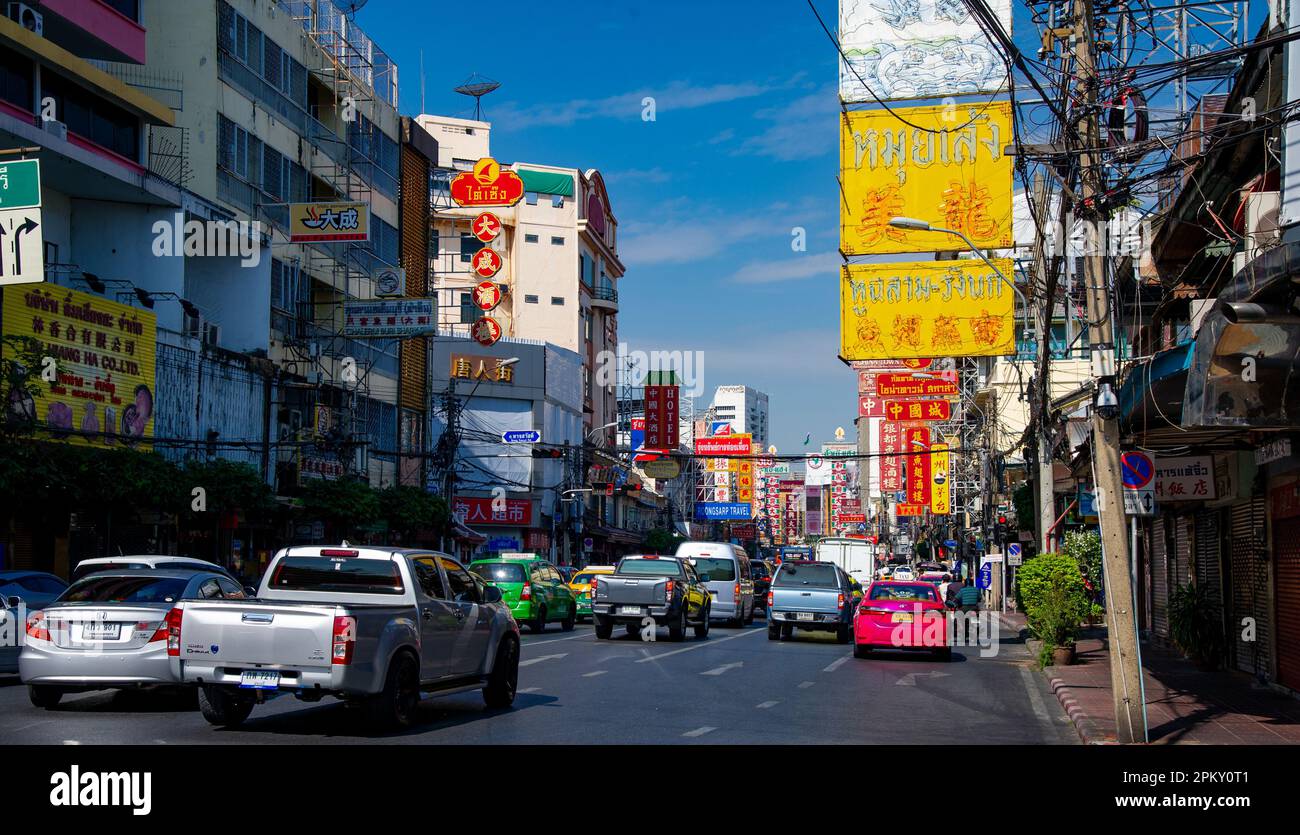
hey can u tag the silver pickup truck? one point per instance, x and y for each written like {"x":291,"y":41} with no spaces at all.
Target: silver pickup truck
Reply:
{"x":373,"y":626}
{"x":650,"y":588}
{"x":811,"y":595}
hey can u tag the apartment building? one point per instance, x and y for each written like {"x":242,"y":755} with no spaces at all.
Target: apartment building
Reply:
{"x":744,"y":408}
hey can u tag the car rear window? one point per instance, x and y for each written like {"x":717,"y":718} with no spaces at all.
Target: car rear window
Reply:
{"x":125,"y":590}
{"x":341,"y":574}
{"x":807,"y":575}
{"x":585,"y":577}
{"x":83,"y":570}
{"x":717,"y":569}
{"x":891,"y":592}
{"x":651,"y":568}
{"x":500,"y":572}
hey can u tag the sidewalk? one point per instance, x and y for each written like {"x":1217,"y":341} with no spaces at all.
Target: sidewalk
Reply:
{"x":1185,"y":705}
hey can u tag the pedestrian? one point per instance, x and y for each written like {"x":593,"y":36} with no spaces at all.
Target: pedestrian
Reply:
{"x":950,"y":591}
{"x":968,"y":604}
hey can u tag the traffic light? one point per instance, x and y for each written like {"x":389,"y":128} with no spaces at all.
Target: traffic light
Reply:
{"x":1000,"y":529}
{"x":548,"y":453}
{"x":602,"y":488}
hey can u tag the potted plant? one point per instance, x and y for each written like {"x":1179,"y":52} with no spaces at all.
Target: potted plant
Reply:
{"x":1195,"y":626}
{"x":1059,"y":615}
{"x":1096,"y":614}
{"x":1053,"y":598}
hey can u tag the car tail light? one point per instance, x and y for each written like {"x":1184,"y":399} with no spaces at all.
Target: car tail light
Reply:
{"x":840,"y":603}
{"x":36,"y":627}
{"x":345,"y":638}
{"x":668,"y":590}
{"x":170,"y":631}
{"x":339,"y":552}
{"x":594,"y":588}
{"x":736,"y":591}
{"x":770,"y":595}
{"x":527,"y":592}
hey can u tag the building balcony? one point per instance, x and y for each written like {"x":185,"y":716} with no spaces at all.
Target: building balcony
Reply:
{"x":606,"y":297}
{"x":105,"y":29}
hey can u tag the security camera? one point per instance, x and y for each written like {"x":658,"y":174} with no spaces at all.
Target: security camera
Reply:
{"x":1106,"y":403}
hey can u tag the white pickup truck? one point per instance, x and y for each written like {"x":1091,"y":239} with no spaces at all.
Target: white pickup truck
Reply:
{"x":373,"y":626}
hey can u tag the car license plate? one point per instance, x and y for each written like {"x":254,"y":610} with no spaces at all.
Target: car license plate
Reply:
{"x":629,"y":610}
{"x":100,"y":631}
{"x":901,"y":617}
{"x":803,"y":615}
{"x":259,"y":679}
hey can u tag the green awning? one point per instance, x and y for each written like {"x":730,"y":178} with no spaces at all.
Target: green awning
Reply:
{"x":547,"y":182}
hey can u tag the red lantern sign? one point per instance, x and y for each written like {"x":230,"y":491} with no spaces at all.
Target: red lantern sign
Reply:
{"x":918,"y":410}
{"x":486,"y":227}
{"x":487,"y":185}
{"x":486,"y":263}
{"x":487,"y":295}
{"x":486,"y":331}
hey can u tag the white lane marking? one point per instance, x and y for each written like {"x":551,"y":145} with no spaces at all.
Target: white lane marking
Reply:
{"x":717,"y":671}
{"x":835,"y":665}
{"x":805,"y":685}
{"x":910,"y":678}
{"x":71,"y":742}
{"x":542,"y":658}
{"x":557,"y":640}
{"x":530,"y":690}
{"x":700,"y":645}
{"x":766,"y":705}
{"x":594,"y":673}
{"x":1035,"y":698}
{"x":700,"y":731}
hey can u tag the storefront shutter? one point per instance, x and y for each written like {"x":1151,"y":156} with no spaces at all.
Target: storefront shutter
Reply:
{"x":1286,"y":585}
{"x":1249,"y":582}
{"x":1159,"y":578}
{"x":1207,"y":556}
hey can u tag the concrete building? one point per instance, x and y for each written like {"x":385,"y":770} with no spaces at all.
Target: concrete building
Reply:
{"x":744,"y":408}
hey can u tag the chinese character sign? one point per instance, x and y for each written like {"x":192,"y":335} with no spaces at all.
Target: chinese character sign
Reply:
{"x":891,"y":443}
{"x":661,"y":429}
{"x":388,"y":318}
{"x":910,"y":309}
{"x":104,"y":352}
{"x":916,"y":442}
{"x":953,"y":174}
{"x":941,"y":488}
{"x":323,"y":222}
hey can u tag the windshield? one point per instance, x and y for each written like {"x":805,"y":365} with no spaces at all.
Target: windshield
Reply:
{"x":343,"y":574}
{"x":586,"y":577}
{"x":717,"y":569}
{"x":88,"y":568}
{"x":125,"y":590}
{"x":807,"y":575}
{"x":904,"y":593}
{"x":651,"y":568}
{"x":500,"y":572}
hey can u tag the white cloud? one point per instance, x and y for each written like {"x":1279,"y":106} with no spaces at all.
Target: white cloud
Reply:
{"x":707,"y":231}
{"x":800,"y":266}
{"x":800,"y":129}
{"x":679,"y":95}
{"x":645,"y":175}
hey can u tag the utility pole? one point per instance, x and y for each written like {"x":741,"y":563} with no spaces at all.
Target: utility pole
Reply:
{"x":1121,"y":619}
{"x":1046,"y":276}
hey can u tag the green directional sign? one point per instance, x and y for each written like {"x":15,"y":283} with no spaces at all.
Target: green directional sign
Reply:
{"x":20,"y":184}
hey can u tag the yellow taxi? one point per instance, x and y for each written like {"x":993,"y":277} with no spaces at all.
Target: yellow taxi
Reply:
{"x":580,"y":585}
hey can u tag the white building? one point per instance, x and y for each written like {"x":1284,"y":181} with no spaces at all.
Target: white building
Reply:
{"x":744,"y":408}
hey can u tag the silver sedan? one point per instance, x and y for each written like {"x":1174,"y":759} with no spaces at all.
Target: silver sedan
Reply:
{"x":111,"y":630}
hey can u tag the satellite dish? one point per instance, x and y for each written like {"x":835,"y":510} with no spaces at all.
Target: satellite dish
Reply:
{"x":477,"y":86}
{"x":350,"y":7}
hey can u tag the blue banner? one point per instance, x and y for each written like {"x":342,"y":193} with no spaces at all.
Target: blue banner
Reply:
{"x":714,"y":511}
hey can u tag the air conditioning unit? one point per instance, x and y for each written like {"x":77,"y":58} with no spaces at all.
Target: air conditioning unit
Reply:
{"x":57,"y":128}
{"x":211,"y":334}
{"x":28,"y":18}
{"x":1262,"y":230}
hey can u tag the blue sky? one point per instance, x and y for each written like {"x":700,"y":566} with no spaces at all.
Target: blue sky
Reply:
{"x":742,"y":150}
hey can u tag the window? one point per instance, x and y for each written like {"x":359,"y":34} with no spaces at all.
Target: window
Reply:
{"x":557,"y":240}
{"x":530,"y":299}
{"x":462,"y":587}
{"x":500,"y":572}
{"x":91,"y":117}
{"x":530,"y":197}
{"x":230,"y":589}
{"x":468,"y":310}
{"x":530,"y":238}
{"x":468,"y":246}
{"x":16,"y":80}
{"x":426,"y":574}
{"x":101,"y":589}
{"x":557,"y":201}
{"x":341,"y":574}
{"x":558,"y":301}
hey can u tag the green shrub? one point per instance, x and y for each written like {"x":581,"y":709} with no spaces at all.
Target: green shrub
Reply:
{"x":1051,"y":593}
{"x":1194,"y":623}
{"x":1085,"y":547}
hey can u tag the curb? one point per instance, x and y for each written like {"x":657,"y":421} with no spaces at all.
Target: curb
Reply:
{"x":1089,"y":729}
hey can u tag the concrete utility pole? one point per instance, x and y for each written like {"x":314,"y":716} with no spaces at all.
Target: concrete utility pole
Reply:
{"x":1121,"y":619}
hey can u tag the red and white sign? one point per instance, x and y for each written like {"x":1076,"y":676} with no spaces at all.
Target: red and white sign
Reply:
{"x":537,"y":541}
{"x":661,"y":418}
{"x":916,"y":439}
{"x":486,"y":331}
{"x":724,"y":445}
{"x":852,"y":518}
{"x":910,"y":509}
{"x":918,"y":384}
{"x":486,"y":227}
{"x":918,"y":409}
{"x":870,"y":406}
{"x":479,"y":511}
{"x":486,"y":263}
{"x":487,"y":185}
{"x":891,"y":443}
{"x":487,"y":295}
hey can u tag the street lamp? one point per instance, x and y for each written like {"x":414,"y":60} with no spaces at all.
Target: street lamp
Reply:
{"x":916,"y":225}
{"x":601,"y":429}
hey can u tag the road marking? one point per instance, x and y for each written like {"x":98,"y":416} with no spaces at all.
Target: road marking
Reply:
{"x":700,"y":731}
{"x":700,"y":645}
{"x":717,"y":671}
{"x":766,"y":705}
{"x":835,"y":665}
{"x":1035,"y":698}
{"x":805,"y":685}
{"x":594,"y":673}
{"x":557,"y":640}
{"x":71,"y":742}
{"x":910,"y":678}
{"x":530,"y":690}
{"x":542,"y":658}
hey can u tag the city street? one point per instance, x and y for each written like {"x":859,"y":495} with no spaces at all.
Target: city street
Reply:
{"x":735,"y":687}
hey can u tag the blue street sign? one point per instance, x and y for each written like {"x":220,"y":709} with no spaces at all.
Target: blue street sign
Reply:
{"x":985,"y":578}
{"x":521,"y":436}
{"x":723,"y":510}
{"x":1138,"y":469}
{"x":950,"y":543}
{"x":1013,"y":549}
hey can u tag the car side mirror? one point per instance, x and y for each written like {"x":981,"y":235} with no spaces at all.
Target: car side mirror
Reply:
{"x":492,"y":594}
{"x":704,"y":578}
{"x":250,"y":591}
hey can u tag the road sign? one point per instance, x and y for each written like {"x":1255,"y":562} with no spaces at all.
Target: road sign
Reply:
{"x":522,"y":436}
{"x":1138,"y":469}
{"x":1014,"y":555}
{"x":1140,"y":502}
{"x":20,"y":184}
{"x":22,"y":247}
{"x":985,"y":578}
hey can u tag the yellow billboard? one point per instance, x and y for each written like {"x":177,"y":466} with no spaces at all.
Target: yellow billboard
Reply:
{"x":102,"y":391}
{"x":946,"y":167}
{"x":329,"y":222}
{"x":920,"y":309}
{"x":941,"y":480}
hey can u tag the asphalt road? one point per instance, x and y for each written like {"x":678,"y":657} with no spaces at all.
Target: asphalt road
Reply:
{"x":734,"y":687}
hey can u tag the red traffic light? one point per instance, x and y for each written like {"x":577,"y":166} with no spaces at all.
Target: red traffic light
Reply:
{"x":602,"y":488}
{"x":1002,"y":519}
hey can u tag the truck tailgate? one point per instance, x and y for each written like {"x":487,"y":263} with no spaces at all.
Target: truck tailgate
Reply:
{"x":794,"y":599}
{"x":641,"y":591}
{"x":240,"y":632}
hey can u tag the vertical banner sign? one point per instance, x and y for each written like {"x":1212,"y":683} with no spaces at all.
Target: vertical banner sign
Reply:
{"x":661,"y":430}
{"x":917,"y":438}
{"x":891,"y":443}
{"x":940,"y":489}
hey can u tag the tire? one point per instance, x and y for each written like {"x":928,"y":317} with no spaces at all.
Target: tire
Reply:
{"x":842,"y":635}
{"x":222,"y":707}
{"x":787,"y":632}
{"x":677,"y":631}
{"x":750,"y":617}
{"x":604,"y":627}
{"x":396,"y":706}
{"x":44,"y":695}
{"x":503,"y":683}
{"x":633,"y":630}
{"x":570,"y":619}
{"x":702,"y":628}
{"x":860,"y":651}
{"x":773,"y":632}
{"x":538,"y":624}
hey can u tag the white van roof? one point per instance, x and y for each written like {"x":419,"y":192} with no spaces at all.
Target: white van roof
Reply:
{"x":710,"y":549}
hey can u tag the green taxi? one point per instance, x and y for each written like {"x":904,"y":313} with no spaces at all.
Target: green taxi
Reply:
{"x":533,"y":589}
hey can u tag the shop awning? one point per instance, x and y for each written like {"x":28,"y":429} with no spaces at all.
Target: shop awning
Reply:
{"x":1153,"y":388}
{"x":459,"y":530}
{"x":547,"y":182}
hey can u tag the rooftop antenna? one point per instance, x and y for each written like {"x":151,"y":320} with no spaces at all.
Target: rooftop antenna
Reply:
{"x":477,"y":86}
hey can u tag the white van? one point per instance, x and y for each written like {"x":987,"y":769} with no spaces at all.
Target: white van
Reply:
{"x":731,"y":586}
{"x":853,"y":556}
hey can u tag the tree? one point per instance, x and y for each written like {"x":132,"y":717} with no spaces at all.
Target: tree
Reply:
{"x":21,"y":360}
{"x":409,"y":510}
{"x":344,"y":505}
{"x":226,"y":486}
{"x":660,"y":541}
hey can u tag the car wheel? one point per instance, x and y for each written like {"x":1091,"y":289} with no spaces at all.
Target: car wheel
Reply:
{"x":786,"y":632}
{"x":604,"y":627}
{"x":750,"y":617}
{"x":632,"y":630}
{"x":702,"y":628}
{"x":677,"y":631}
{"x":504,"y":680}
{"x":570,"y":619}
{"x":223,"y":707}
{"x":842,"y":635}
{"x":773,"y":632}
{"x":43,"y":695}
{"x":861,"y":651}
{"x":395,"y":707}
{"x":538,"y":623}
